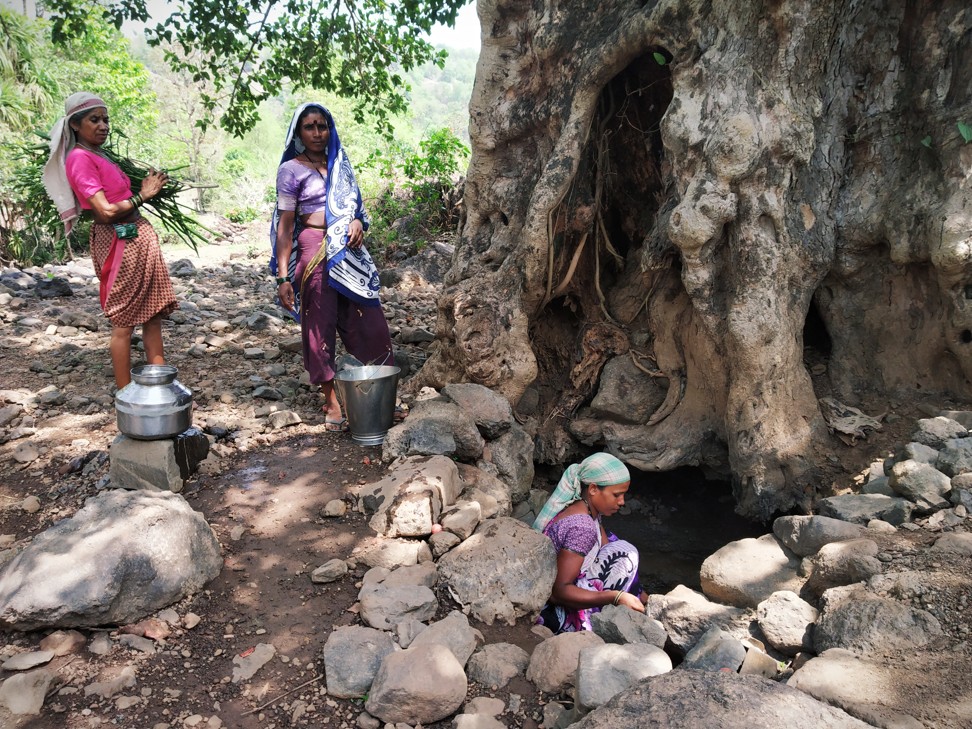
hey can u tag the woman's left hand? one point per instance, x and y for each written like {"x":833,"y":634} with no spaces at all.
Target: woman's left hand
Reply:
{"x":631,"y":601}
{"x":153,"y":183}
{"x":355,"y":234}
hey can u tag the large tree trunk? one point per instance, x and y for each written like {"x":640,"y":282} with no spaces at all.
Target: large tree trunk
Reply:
{"x":671,"y":187}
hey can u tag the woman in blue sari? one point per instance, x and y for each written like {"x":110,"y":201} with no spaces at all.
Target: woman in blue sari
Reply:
{"x":325,"y":276}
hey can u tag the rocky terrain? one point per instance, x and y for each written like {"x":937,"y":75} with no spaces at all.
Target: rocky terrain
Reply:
{"x":864,"y":608}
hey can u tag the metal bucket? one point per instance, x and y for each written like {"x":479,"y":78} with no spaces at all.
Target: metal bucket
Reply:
{"x":154,"y":405}
{"x":369,"y":394}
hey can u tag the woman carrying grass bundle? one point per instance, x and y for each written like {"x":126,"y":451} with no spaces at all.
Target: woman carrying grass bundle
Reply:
{"x":325,"y":276}
{"x":594,"y":568}
{"x":135,"y":284}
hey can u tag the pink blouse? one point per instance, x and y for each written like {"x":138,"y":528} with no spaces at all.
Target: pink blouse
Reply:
{"x":88,"y":173}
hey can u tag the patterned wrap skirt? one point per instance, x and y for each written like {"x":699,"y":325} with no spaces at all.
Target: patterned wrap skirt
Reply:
{"x":611,"y":567}
{"x":142,"y":287}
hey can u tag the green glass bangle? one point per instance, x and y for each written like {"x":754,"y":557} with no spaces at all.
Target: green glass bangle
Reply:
{"x":283,"y":279}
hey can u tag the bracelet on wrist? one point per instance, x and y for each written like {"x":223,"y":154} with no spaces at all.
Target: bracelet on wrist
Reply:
{"x":617,"y":598}
{"x":283,"y":279}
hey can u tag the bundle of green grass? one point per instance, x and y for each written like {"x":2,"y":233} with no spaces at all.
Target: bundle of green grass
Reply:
{"x":38,"y":209}
{"x":174,"y":215}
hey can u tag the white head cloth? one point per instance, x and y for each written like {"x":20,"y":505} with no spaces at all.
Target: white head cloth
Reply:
{"x":63,"y":141}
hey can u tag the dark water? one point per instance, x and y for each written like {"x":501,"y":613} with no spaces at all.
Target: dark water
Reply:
{"x":677,"y":521}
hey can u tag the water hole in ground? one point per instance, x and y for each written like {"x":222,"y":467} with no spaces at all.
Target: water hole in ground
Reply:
{"x":676,"y":519}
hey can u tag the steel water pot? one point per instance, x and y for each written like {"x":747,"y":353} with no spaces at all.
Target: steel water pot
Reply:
{"x":154,"y":405}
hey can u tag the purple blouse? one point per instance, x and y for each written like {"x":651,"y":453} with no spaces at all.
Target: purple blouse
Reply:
{"x":300,"y":188}
{"x":574,"y":533}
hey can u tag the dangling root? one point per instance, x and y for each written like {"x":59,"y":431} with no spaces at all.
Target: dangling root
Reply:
{"x":676,"y":391}
{"x":562,"y":287}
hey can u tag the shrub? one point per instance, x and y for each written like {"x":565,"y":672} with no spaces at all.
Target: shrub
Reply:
{"x":242,"y":214}
{"x":418,"y":202}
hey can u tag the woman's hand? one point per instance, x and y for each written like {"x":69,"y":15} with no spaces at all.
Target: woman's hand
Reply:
{"x":631,"y":601}
{"x":286,"y":293}
{"x":355,"y":234}
{"x":152,"y":184}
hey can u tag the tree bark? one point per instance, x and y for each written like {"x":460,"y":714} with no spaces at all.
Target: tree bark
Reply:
{"x":700,"y":175}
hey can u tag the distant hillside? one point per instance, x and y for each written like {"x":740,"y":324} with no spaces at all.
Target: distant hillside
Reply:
{"x":440,"y":96}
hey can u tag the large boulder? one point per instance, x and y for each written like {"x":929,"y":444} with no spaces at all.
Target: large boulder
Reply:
{"x":419,"y":685}
{"x":409,"y":499}
{"x":455,"y":633}
{"x":936,"y":432}
{"x":505,"y":570}
{"x":863,"y":622}
{"x":840,"y":563}
{"x":921,"y":483}
{"x":352,"y":655}
{"x":603,"y":671}
{"x":497,"y":664}
{"x":123,"y":556}
{"x":746,"y":572}
{"x":787,"y":622}
{"x":434,"y":427}
{"x":873,"y":689}
{"x":389,"y":598}
{"x":862,"y":508}
{"x":716,"y":651}
{"x":619,"y":624}
{"x":955,"y":458}
{"x":687,"y":698}
{"x":687,"y":615}
{"x":492,"y":495}
{"x":626,"y":393}
{"x":391,"y":553}
{"x":490,"y":410}
{"x":511,"y":455}
{"x":805,"y":535}
{"x":553,"y":664}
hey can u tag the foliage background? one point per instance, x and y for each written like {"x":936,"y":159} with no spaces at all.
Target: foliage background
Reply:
{"x":159,"y":112}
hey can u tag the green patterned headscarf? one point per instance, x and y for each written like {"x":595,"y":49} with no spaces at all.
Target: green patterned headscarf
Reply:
{"x":601,"y":469}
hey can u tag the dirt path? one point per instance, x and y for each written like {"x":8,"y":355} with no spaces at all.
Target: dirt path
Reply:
{"x":264,"y":503}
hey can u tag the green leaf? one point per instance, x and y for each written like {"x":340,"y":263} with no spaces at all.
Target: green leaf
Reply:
{"x":966,"y":131}
{"x":659,"y":58}
{"x":927,"y":141}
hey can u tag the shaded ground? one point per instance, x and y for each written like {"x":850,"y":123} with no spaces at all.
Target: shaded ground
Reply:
{"x":264,"y":595}
{"x":264,"y":505}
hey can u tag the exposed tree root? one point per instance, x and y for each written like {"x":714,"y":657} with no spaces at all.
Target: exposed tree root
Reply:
{"x":676,"y":391}
{"x":636,"y":356}
{"x":562,"y":287}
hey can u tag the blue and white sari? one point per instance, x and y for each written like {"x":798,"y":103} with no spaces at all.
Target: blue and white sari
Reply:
{"x":351,"y":272}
